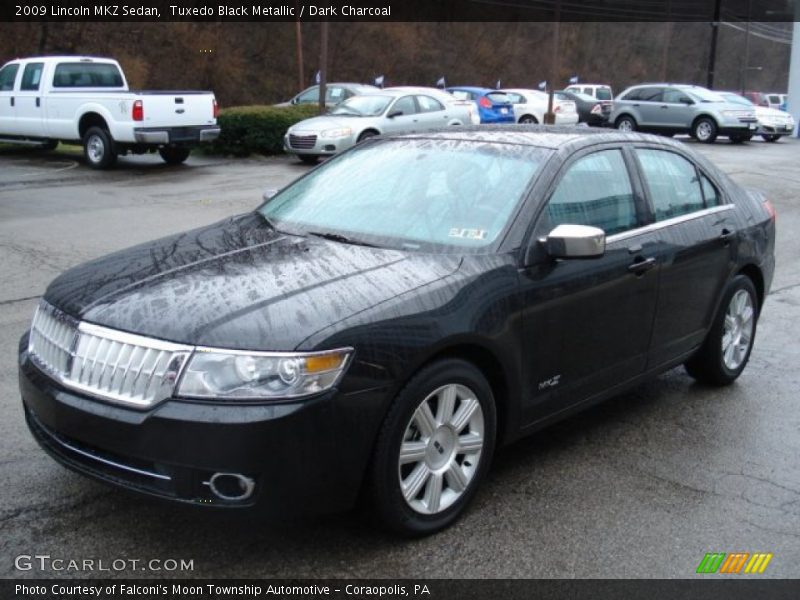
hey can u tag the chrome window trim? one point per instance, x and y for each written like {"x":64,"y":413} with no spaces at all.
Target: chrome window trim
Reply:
{"x":668,"y":222}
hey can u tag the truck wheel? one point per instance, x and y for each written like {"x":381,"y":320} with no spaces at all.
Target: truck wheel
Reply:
{"x":174,"y":155}
{"x":98,"y":148}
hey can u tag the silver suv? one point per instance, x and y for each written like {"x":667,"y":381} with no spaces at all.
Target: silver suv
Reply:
{"x":675,"y":108}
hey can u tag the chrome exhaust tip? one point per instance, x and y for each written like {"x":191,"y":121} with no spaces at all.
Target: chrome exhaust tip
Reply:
{"x":231,"y":487}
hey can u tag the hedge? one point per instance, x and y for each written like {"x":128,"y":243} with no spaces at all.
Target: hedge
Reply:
{"x":256,"y":129}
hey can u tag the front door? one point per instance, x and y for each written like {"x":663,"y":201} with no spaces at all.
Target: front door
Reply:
{"x":587,"y":322}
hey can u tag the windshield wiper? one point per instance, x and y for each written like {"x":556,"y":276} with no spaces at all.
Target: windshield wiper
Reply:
{"x":338,"y":237}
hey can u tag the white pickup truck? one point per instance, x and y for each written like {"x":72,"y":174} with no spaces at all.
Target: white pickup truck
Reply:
{"x":56,"y":99}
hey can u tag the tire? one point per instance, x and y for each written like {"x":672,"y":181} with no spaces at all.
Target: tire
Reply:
{"x":174,"y":155}
{"x":712,"y":364}
{"x":309,"y":159}
{"x":528,"y":120}
{"x":366,"y":135}
{"x":438,"y":465}
{"x":98,"y":148}
{"x":626,"y":124}
{"x":705,"y":130}
{"x":770,"y":138}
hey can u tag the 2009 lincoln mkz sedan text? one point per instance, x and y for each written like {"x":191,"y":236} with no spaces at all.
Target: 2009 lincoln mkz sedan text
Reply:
{"x":377,"y":328}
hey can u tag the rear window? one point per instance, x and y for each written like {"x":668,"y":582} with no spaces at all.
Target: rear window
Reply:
{"x":498,"y":97}
{"x":603,"y":94}
{"x":74,"y":75}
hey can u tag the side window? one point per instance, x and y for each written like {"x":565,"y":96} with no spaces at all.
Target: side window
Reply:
{"x":650,"y":94}
{"x":310,"y":96}
{"x":587,"y":91}
{"x":334,"y":94}
{"x":710,"y":192}
{"x":461,"y":95}
{"x":675,"y":96}
{"x":672,"y":182}
{"x":428,"y":104}
{"x":515,"y":98}
{"x":404,"y":105}
{"x":595,"y":190}
{"x":31,"y":77}
{"x":633,"y":94}
{"x":8,"y":75}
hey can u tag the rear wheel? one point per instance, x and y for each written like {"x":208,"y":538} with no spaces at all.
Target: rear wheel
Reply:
{"x":98,"y":148}
{"x":528,"y":120}
{"x":434,"y":448}
{"x":726,"y":350}
{"x":174,"y":155}
{"x":309,"y":159}
{"x":705,"y":130}
{"x":626,"y":124}
{"x":770,"y":138}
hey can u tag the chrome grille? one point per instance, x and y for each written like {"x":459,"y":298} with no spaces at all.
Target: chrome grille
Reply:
{"x":302,"y":142}
{"x":111,"y":365}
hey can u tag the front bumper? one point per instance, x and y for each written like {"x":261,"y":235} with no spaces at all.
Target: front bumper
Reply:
{"x":740,"y":126}
{"x":771,"y":128}
{"x":312,"y":144}
{"x":295,"y":453}
{"x":176,"y":135}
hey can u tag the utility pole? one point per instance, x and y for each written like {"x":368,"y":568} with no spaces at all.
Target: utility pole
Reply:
{"x":298,"y":34}
{"x":743,"y":74}
{"x":712,"y":54}
{"x":323,"y":66}
{"x":550,"y":116}
{"x":667,"y":38}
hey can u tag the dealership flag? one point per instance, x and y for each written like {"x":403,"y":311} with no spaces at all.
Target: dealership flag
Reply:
{"x":573,"y":79}
{"x":317,"y":78}
{"x":542,"y":85}
{"x":441,"y":82}
{"x":379,"y":81}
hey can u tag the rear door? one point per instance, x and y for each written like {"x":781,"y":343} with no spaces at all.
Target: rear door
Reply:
{"x":29,"y":104}
{"x":695,"y":236}
{"x":432,"y":113}
{"x":404,"y":117}
{"x":587,"y":322}
{"x":8,"y":77}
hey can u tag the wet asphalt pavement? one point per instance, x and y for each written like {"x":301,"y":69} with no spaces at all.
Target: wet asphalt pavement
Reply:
{"x":640,"y":486}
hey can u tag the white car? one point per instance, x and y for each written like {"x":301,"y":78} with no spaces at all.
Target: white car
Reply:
{"x":83,"y":99}
{"x":394,"y":110}
{"x":530,"y":106}
{"x":773,"y":124}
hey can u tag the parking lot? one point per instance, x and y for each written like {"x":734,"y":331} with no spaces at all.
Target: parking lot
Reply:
{"x":641,"y":486}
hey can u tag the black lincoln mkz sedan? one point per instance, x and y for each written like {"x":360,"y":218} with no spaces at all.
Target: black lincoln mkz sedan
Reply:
{"x":377,"y":328}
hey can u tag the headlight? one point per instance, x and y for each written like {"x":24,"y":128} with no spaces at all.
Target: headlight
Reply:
{"x":234,"y":374}
{"x":336,"y":133}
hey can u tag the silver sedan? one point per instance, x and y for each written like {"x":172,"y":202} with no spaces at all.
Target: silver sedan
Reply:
{"x":401,"y":110}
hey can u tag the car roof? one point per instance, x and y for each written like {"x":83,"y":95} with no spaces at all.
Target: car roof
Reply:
{"x":541,"y":136}
{"x":469,"y":88}
{"x":71,"y":57}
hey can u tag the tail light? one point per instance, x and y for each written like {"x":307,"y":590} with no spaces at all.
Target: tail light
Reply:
{"x":557,"y":109}
{"x":770,"y":210}
{"x":216,"y":108}
{"x":597,"y":109}
{"x":485,"y":102}
{"x":137,"y":114}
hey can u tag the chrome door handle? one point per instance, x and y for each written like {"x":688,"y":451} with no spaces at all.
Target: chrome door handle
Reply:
{"x":641,"y":265}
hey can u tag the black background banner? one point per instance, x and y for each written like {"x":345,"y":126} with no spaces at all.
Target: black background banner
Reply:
{"x":399,"y":10}
{"x":701,"y":588}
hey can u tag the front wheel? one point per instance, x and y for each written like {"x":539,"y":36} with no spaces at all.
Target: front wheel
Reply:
{"x":726,"y":350}
{"x":434,"y":448}
{"x":705,"y":130}
{"x":770,"y":138}
{"x":174,"y":155}
{"x":98,"y":148}
{"x":626,"y":124}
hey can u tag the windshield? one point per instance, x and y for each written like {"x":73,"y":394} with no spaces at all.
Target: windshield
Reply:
{"x":411,"y":193}
{"x":737,"y":99}
{"x":704,"y":95}
{"x":363,"y":106}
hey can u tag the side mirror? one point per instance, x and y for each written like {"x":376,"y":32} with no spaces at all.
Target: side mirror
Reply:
{"x":392,"y":115}
{"x":575,"y":241}
{"x":269,"y":194}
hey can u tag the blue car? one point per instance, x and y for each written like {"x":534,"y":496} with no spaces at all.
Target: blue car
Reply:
{"x":493,"y":106}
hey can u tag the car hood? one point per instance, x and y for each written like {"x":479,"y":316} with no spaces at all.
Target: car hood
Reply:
{"x":317,"y":124}
{"x":762,"y":112}
{"x":239,"y":284}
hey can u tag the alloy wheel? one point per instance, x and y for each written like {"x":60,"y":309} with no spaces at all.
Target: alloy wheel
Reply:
{"x":738,"y":332}
{"x":441,"y":449}
{"x":704,"y":131}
